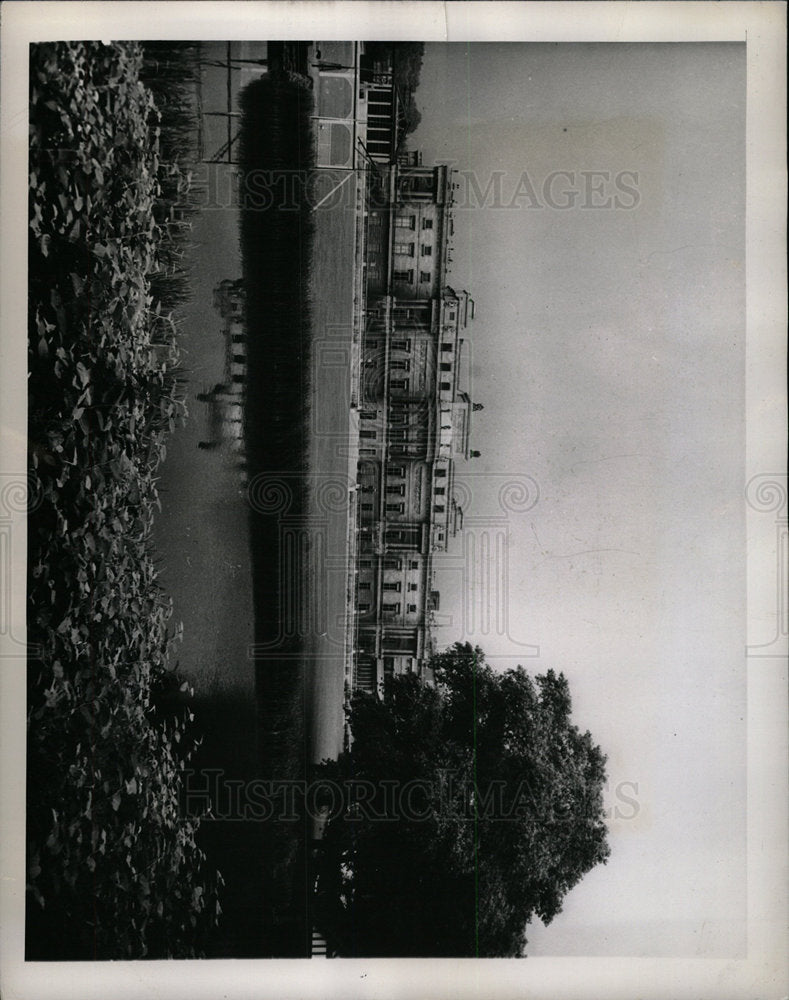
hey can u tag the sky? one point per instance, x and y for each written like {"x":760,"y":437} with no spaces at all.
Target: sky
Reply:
{"x":608,"y":350}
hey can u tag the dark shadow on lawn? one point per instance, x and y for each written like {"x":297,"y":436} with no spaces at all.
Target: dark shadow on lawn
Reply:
{"x":276,"y":240}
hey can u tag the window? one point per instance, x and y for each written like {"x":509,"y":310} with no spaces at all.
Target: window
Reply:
{"x":364,"y":585}
{"x":412,"y":609}
{"x":413,"y":586}
{"x":413,"y":564}
{"x":369,"y":435}
{"x":452,"y":314}
{"x":441,"y":473}
{"x":367,"y":508}
{"x":402,"y":275}
{"x":363,"y":608}
{"x":391,"y":563}
{"x":393,"y":586}
{"x":401,"y":383}
{"x":368,"y":414}
{"x":427,"y":251}
{"x":395,"y":508}
{"x":445,"y":386}
{"x":367,"y":451}
{"x":440,"y":491}
{"x":446,"y":366}
{"x":427,"y":223}
{"x":401,"y":345}
{"x":391,"y":609}
{"x":397,"y":434}
{"x":368,"y":488}
{"x":438,"y":508}
{"x":365,"y":564}
{"x":446,"y":347}
{"x":405,"y":221}
{"x":424,"y":275}
{"x":401,"y":365}
{"x":402,"y":536}
{"x":395,"y":470}
{"x":405,"y":248}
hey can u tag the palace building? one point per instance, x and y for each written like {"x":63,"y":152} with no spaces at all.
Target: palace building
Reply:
{"x":414,"y":419}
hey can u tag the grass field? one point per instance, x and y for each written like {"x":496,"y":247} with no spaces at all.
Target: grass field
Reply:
{"x":332,"y":284}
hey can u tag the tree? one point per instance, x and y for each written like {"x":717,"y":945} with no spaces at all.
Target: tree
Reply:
{"x":459,"y":812}
{"x":406,"y":60}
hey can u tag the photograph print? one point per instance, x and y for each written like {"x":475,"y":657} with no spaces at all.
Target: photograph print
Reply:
{"x":386,"y":549}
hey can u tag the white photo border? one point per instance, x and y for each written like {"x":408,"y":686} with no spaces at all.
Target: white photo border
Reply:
{"x":763,"y":27}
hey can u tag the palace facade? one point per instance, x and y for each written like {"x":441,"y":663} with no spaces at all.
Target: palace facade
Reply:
{"x":414,"y":419}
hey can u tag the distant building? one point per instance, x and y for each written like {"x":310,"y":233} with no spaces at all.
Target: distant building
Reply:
{"x":229,"y":299}
{"x":226,"y":399}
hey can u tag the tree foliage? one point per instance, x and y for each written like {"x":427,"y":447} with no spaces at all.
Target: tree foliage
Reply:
{"x":466,"y":810}
{"x":114,"y":868}
{"x":406,"y":60}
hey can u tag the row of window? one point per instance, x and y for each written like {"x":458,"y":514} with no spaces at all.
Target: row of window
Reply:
{"x":402,"y":385}
{"x":406,"y":275}
{"x":394,"y":587}
{"x":404,"y":365}
{"x":373,"y":344}
{"x":390,"y":562}
{"x":391,"y":609}
{"x":407,"y":249}
{"x":399,"y":508}
{"x":400,"y":422}
{"x":415,"y":434}
{"x":409,"y":222}
{"x":403,"y":313}
{"x":396,"y":364}
{"x":398,"y":489}
{"x":398,"y":472}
